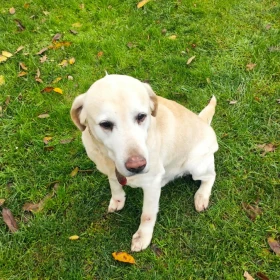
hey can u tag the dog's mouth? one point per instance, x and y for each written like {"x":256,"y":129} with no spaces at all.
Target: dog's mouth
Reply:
{"x":122,"y":180}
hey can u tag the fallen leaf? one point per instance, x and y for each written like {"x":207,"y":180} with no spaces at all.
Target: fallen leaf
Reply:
{"x":123,"y":257}
{"x":56,"y":80}
{"x":190,"y":60}
{"x":7,"y":54}
{"x":156,"y":250}
{"x":42,"y":51}
{"x":57,"y":37}
{"x":23,"y":66}
{"x":46,"y":13}
{"x":250,"y":66}
{"x":278,"y":101}
{"x":73,"y":31}
{"x":74,"y":172}
{"x":12,"y":11}
{"x":8,"y":99}
{"x":163,"y":31}
{"x":37,"y":77}
{"x":77,"y":24}
{"x":19,"y":49}
{"x":49,"y":148}
{"x":72,"y":60}
{"x":58,"y":90}
{"x":43,"y":58}
{"x":63,"y":63}
{"x":173,"y":37}
{"x":248,"y":276}
{"x":47,"y":89}
{"x":252,"y":211}
{"x":43,"y":116}
{"x":267,"y":148}
{"x":262,"y":276}
{"x":47,"y":139}
{"x":69,"y":77}
{"x":142,"y":3}
{"x":58,"y":45}
{"x":274,"y":245}
{"x":82,"y":6}
{"x":36,"y":207}
{"x":3,"y":58}
{"x":22,"y":73}
{"x":2,"y":200}
{"x":74,"y":237}
{"x":19,"y":25}
{"x":26,"y":5}
{"x":130,"y":45}
{"x":9,"y":220}
{"x":66,"y":141}
{"x":2,"y":80}
{"x":232,"y":102}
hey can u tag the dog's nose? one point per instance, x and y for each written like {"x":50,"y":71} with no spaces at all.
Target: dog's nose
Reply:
{"x":135,"y":164}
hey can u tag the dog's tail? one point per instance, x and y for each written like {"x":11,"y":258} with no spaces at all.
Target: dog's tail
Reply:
{"x":208,"y":112}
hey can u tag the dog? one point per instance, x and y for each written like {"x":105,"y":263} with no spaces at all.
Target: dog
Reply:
{"x":143,"y":140}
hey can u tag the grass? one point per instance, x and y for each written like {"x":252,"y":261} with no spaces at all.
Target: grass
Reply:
{"x":224,"y":37}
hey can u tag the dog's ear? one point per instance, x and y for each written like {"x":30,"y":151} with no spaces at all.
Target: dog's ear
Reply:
{"x":77,"y":115}
{"x":153,"y":99}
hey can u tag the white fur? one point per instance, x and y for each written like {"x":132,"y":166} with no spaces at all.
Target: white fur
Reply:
{"x":174,"y":141}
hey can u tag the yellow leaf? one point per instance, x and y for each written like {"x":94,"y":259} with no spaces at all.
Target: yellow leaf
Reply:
{"x":2,"y":200}
{"x":2,"y":80}
{"x":47,"y":139}
{"x":74,"y":172}
{"x":72,"y":60}
{"x":7,"y":54}
{"x":123,"y":257}
{"x":190,"y":60}
{"x":58,"y":90}
{"x":56,"y":80}
{"x":2,"y":58}
{"x":57,"y":45}
{"x":142,"y":3}
{"x":19,"y":49}
{"x":248,"y":276}
{"x":74,"y":237}
{"x":63,"y":63}
{"x":172,"y":37}
{"x":77,"y":24}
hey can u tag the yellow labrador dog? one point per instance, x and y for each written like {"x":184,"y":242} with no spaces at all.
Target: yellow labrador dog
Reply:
{"x":140,"y":139}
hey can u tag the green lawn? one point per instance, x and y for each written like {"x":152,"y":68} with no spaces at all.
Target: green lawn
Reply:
{"x":236,"y":45}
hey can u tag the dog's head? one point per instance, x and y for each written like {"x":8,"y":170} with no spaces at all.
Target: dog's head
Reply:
{"x":117,"y":110}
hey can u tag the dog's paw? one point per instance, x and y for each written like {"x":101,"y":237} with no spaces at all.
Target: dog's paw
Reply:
{"x":140,"y":241}
{"x":116,"y":204}
{"x":201,"y":201}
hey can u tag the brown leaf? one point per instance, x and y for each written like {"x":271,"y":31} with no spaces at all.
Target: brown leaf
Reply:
{"x":12,"y":11}
{"x":37,"y":77}
{"x":47,"y":139}
{"x":9,"y":220}
{"x":74,"y":172}
{"x":252,"y":211}
{"x":248,"y":276}
{"x":23,"y":66}
{"x":190,"y":60}
{"x":232,"y":102}
{"x":42,"y":51}
{"x":43,"y":58}
{"x":36,"y":207}
{"x":267,"y":148}
{"x":22,"y":73}
{"x":2,"y":201}
{"x":66,"y":141}
{"x":130,"y":45}
{"x":26,"y":5}
{"x":8,"y":99}
{"x":19,"y":25}
{"x":274,"y":245}
{"x":156,"y":250}
{"x":19,"y":49}
{"x":43,"y":116}
{"x":250,"y":66}
{"x":49,"y":148}
{"x":262,"y":276}
{"x":47,"y":89}
{"x":73,"y":31}
{"x":57,"y":37}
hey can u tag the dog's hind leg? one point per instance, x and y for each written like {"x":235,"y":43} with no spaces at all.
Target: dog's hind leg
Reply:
{"x":118,"y":196}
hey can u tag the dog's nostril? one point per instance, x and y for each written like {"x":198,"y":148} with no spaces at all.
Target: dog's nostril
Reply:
{"x":135,"y":164}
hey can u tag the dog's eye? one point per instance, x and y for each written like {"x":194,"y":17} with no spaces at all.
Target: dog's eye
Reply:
{"x":141,"y":117}
{"x":107,"y":125}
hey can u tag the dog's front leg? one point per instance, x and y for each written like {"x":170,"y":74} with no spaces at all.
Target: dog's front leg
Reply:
{"x":118,"y":196}
{"x":142,"y":238}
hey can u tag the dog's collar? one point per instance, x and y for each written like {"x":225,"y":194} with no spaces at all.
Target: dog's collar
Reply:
{"x":121,"y":179}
